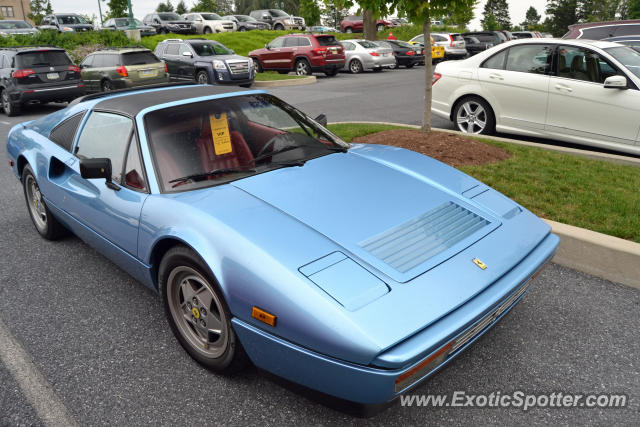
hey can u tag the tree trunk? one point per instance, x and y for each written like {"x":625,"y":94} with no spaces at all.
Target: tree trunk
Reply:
{"x":428,"y":69}
{"x":369,"y":26}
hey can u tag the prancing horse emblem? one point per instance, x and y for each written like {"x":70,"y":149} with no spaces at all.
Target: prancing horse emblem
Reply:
{"x":480,"y":264}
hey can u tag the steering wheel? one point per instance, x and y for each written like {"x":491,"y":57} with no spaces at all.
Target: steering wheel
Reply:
{"x":268,"y":145}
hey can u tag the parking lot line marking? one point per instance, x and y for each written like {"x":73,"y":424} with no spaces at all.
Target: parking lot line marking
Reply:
{"x":33,"y":384}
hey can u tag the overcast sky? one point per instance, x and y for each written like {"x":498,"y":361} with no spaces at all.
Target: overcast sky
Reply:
{"x":517,"y":8}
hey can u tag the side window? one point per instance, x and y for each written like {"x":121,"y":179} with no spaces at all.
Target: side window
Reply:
{"x":628,"y":30}
{"x":598,"y":33}
{"x":303,"y":41}
{"x":98,"y":61}
{"x":64,"y":133}
{"x":184,"y":48}
{"x":88,"y":61}
{"x":113,"y":60}
{"x":105,"y":135}
{"x":535,"y":59}
{"x":438,"y":38}
{"x":291,"y":42}
{"x":277,"y":42}
{"x":348,"y":45}
{"x":583,"y":64}
{"x":172,"y":49}
{"x":133,"y":174}
{"x":496,"y":62}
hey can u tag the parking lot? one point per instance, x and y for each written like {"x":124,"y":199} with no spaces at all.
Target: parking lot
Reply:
{"x":101,"y":341}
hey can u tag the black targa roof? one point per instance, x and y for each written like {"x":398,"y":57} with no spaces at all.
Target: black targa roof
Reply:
{"x":132,"y":103}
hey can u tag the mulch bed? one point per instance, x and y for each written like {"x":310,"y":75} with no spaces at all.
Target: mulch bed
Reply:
{"x":450,"y":148}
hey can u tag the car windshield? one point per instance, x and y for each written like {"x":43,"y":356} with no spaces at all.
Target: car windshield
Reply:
{"x":246,"y":18}
{"x":276,"y":12}
{"x":169,"y":17}
{"x":71,"y":19}
{"x":367,"y":44}
{"x":213,"y":142}
{"x":403,"y":44}
{"x":124,"y":22}
{"x":211,"y":16}
{"x":13,"y":25}
{"x":210,"y":49}
{"x":50,"y":58}
{"x":629,"y":57}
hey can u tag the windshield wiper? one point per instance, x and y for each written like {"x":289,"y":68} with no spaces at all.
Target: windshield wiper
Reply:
{"x":198,"y":176}
{"x":273,"y":153}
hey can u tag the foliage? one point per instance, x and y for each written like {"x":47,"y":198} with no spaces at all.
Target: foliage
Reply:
{"x":531,"y":18}
{"x":633,"y":9}
{"x":561,"y":14}
{"x":117,"y":9}
{"x":460,"y":17}
{"x":165,"y":7}
{"x":499,"y":9}
{"x":73,"y":43}
{"x":205,"y":6}
{"x":181,"y":8}
{"x":490,"y":23}
{"x":331,"y":15}
{"x":310,"y":11}
{"x":39,"y":9}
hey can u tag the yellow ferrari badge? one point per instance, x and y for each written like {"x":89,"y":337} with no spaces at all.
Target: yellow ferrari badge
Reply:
{"x":480,"y":264}
{"x":195,"y":313}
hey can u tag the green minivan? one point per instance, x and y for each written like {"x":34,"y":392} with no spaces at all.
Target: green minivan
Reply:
{"x":119,"y":68}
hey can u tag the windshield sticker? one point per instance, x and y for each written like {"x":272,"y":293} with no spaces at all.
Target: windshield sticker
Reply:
{"x":220,"y":133}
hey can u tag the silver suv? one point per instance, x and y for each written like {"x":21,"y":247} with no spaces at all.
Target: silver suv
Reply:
{"x":454,"y":44}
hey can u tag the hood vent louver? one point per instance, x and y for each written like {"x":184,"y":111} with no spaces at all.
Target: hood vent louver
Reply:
{"x":412,"y":243}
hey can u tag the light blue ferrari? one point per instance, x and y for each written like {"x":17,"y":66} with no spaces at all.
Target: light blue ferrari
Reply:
{"x":354,"y":270}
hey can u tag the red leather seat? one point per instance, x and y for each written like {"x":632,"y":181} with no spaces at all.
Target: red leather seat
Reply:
{"x":240,"y":154}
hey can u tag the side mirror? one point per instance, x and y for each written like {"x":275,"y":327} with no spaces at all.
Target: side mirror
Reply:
{"x":616,"y":82}
{"x":266,"y":46}
{"x":187,"y":54}
{"x":322,"y":119}
{"x":266,"y":17}
{"x":98,"y":168}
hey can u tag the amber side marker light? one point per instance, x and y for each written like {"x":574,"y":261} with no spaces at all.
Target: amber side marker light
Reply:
{"x":423,"y":368}
{"x":263,"y":316}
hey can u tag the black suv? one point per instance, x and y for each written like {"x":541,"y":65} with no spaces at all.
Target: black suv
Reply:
{"x":37,"y":74}
{"x":169,"y":22}
{"x":65,"y":23}
{"x":205,"y":61}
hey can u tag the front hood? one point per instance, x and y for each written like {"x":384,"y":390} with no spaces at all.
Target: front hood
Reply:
{"x":178,"y":22}
{"x":396,"y":221}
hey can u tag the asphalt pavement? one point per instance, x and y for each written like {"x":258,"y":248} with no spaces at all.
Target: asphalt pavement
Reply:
{"x":101,"y":342}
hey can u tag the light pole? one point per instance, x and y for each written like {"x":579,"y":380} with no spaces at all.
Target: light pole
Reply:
{"x":132,"y":24}
{"x":100,"y":11}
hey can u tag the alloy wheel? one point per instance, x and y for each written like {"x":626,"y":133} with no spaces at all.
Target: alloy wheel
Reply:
{"x":471,"y":117}
{"x":302,"y":68}
{"x":36,"y":204}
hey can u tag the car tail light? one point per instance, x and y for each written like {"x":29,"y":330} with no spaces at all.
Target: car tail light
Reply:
{"x":73,"y":68}
{"x":411,"y":52}
{"x":166,"y":70}
{"x":374,"y":54}
{"x":436,"y":77}
{"x":423,"y":51}
{"x":451,"y":40}
{"x":122,"y":71}
{"x":320,"y":51}
{"x":21,"y":74}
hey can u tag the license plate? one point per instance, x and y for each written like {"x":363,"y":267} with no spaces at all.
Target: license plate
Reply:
{"x":53,"y":76}
{"x":385,"y":54}
{"x":146,"y":73}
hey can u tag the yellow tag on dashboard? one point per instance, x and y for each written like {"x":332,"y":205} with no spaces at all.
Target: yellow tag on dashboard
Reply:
{"x":220,"y":133}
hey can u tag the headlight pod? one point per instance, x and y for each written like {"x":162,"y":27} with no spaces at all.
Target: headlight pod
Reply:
{"x":219,"y":65}
{"x":287,"y":21}
{"x":67,"y":29}
{"x":344,"y":280}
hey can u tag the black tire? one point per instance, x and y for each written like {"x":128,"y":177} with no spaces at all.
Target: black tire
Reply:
{"x":348,"y":30}
{"x":410,"y":65}
{"x":202,"y":77}
{"x":377,"y":70}
{"x":257,"y":65}
{"x":106,"y":86}
{"x":355,"y":66}
{"x":489,"y":116}
{"x":46,"y":224}
{"x":176,"y":262}
{"x":278,"y":27}
{"x":242,"y":29}
{"x":207,"y":30}
{"x":302,"y":67}
{"x":395,"y":67}
{"x":9,"y":108}
{"x":246,"y":85}
{"x":331,"y":73}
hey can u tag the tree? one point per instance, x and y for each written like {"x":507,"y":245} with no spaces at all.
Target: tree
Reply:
{"x":633,"y":9}
{"x":39,"y":8}
{"x":595,"y":11}
{"x":490,"y":23}
{"x":117,"y":9}
{"x":531,"y":18}
{"x":561,"y":14}
{"x":500,"y":11}
{"x":332,"y":15}
{"x":165,"y":7}
{"x":225,"y":7}
{"x":181,"y":8}
{"x":310,"y":11}
{"x":205,"y":6}
{"x":460,"y":17}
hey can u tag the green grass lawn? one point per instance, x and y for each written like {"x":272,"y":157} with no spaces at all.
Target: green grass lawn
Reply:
{"x":593,"y":194}
{"x":272,"y":75}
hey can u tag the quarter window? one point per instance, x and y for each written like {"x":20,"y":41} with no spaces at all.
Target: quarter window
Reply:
{"x":291,"y":42}
{"x":105,"y":135}
{"x":496,"y":62}
{"x":172,"y":49}
{"x":133,"y":174}
{"x":277,"y":42}
{"x":535,"y":59}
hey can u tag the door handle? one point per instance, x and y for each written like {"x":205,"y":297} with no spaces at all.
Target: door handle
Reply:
{"x":563,"y":87}
{"x":496,"y":76}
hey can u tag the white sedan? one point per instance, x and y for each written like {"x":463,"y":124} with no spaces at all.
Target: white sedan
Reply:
{"x":579,"y":91}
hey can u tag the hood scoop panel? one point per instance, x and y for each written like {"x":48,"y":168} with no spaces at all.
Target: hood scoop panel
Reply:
{"x":416,"y":241}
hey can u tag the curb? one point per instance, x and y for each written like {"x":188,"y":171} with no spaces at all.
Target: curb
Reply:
{"x":291,"y":82}
{"x":598,"y":254}
{"x":594,"y":253}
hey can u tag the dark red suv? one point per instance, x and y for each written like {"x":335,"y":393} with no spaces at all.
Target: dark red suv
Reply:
{"x":304,"y":53}
{"x":354,"y":24}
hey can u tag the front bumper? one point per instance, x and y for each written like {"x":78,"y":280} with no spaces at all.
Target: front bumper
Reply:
{"x":226,"y":77}
{"x":59,"y":93}
{"x":378,"y":382}
{"x":293,"y":27}
{"x":183,"y":30}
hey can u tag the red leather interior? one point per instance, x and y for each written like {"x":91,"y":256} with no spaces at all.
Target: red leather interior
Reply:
{"x":240,"y":154}
{"x":259,"y":134}
{"x":168,"y":167}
